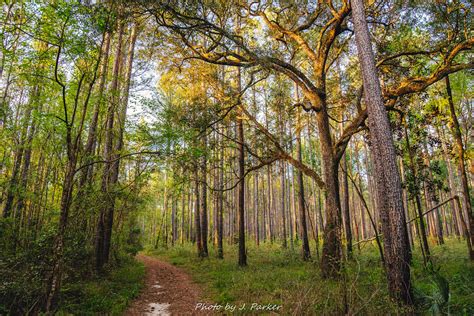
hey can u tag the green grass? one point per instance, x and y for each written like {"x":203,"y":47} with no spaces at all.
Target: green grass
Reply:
{"x":107,"y":295}
{"x":278,"y":276}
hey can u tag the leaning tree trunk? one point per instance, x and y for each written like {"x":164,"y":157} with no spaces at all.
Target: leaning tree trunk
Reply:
{"x":388,"y":184}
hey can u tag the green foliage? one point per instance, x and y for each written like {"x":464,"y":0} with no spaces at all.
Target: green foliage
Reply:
{"x":23,"y":271}
{"x":446,"y":286}
{"x":109,"y":294}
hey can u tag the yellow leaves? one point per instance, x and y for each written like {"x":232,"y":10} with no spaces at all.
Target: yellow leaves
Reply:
{"x":232,"y":58}
{"x":40,"y":46}
{"x":83,"y":64}
{"x":370,"y":3}
{"x":242,"y":117}
{"x":188,"y":84}
{"x":271,"y":15}
{"x":166,"y":80}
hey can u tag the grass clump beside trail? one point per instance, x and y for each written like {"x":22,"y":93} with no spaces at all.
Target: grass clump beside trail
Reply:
{"x":106,"y":295}
{"x":278,"y":276}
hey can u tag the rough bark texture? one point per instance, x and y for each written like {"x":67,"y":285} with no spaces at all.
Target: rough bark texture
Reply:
{"x":388,"y":184}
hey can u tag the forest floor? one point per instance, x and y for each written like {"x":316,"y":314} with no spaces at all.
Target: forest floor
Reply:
{"x":168,"y":290}
{"x":277,"y":276}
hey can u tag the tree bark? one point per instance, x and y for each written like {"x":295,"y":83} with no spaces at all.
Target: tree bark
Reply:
{"x":388,"y":184}
{"x":241,"y":185}
{"x":106,"y":213}
{"x":332,"y":248}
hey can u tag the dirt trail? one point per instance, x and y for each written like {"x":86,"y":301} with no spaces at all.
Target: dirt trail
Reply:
{"x":168,"y":291}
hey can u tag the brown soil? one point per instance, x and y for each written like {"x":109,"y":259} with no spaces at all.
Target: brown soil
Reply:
{"x":165,"y":284}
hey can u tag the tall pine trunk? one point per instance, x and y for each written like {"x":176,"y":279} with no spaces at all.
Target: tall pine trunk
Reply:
{"x":241,"y":185}
{"x":388,"y":184}
{"x":108,"y":177}
{"x":301,"y":198}
{"x":204,"y":224}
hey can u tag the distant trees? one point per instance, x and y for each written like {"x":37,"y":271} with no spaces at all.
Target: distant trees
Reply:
{"x":456,"y":131}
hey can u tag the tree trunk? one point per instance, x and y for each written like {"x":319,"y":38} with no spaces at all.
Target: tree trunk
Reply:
{"x":173,"y":220}
{"x":388,"y":184}
{"x":54,"y":282}
{"x":108,"y":176}
{"x":203,"y":184}
{"x":301,"y":198}
{"x":283,"y":203}
{"x":241,"y":185}
{"x":257,"y":206}
{"x":345,"y":207}
{"x":220,"y":204}
{"x":197,"y":214}
{"x":15,"y":176}
{"x":92,"y":136}
{"x":331,"y":254}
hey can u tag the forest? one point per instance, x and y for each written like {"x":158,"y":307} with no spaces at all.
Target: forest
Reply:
{"x":183,"y":157}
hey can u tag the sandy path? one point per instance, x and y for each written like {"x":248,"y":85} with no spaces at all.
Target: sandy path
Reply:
{"x":168,"y":291}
